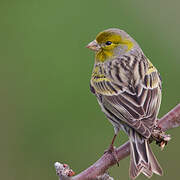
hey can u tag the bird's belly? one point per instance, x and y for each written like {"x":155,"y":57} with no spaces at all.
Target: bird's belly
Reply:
{"x":112,"y":118}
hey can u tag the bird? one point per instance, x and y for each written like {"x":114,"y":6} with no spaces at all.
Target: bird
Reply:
{"x":128,"y":89}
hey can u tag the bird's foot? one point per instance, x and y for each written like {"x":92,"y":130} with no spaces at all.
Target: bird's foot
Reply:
{"x":112,"y":150}
{"x":160,"y":137}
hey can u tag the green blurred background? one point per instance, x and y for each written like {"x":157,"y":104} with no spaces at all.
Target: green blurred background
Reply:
{"x":46,"y":109}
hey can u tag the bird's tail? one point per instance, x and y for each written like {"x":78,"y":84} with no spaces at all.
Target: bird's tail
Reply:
{"x":142,"y":158}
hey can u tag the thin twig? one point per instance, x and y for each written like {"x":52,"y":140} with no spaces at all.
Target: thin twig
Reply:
{"x":168,"y":121}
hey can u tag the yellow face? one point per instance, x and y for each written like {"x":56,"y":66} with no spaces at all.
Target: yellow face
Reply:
{"x":109,"y":44}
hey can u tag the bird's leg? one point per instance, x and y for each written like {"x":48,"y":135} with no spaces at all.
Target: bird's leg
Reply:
{"x":111,"y":147}
{"x":112,"y":150}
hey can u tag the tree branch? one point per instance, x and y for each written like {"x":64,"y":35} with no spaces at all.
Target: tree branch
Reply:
{"x":168,"y":121}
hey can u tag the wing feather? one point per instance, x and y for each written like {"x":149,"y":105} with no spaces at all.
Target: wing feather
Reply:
{"x":130,"y":95}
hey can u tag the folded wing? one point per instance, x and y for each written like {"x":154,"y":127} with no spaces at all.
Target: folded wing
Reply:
{"x":130,"y":91}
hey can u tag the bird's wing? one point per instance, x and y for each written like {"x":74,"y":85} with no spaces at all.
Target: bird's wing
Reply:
{"x":130,"y":92}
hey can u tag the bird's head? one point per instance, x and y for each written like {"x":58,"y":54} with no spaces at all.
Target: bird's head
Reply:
{"x":111,"y":43}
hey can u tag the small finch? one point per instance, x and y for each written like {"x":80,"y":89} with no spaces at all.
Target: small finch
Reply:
{"x":128,"y":89}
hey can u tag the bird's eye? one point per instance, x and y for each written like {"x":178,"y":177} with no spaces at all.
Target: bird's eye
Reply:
{"x":108,"y":43}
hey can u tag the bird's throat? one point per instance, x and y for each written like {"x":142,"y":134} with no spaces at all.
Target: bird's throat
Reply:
{"x":104,"y":55}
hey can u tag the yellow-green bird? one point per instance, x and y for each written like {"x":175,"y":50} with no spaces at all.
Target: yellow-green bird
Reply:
{"x":128,"y":89}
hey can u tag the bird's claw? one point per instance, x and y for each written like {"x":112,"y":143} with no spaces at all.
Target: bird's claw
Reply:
{"x":160,"y":137}
{"x":112,"y":150}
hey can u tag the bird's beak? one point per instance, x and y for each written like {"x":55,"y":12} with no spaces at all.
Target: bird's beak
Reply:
{"x":93,"y":46}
